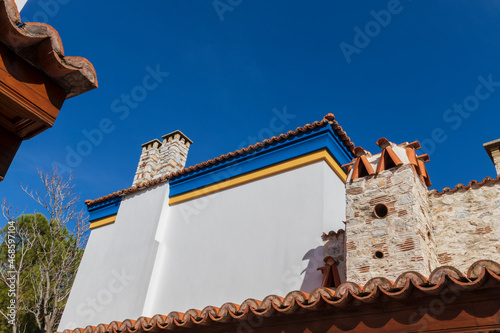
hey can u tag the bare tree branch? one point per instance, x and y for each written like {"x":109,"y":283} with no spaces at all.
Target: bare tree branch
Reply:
{"x":55,"y":246}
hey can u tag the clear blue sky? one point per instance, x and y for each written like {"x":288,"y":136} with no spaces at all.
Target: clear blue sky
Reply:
{"x":230,"y":66}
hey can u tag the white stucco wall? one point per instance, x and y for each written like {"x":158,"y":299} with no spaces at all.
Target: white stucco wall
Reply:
{"x":116,"y":268}
{"x":20,"y":4}
{"x":249,"y":241}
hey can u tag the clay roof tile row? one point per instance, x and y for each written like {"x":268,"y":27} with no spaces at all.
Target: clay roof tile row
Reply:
{"x":332,"y":233}
{"x":40,"y":45}
{"x":328,"y":119}
{"x":408,"y":285}
{"x":472,"y":183}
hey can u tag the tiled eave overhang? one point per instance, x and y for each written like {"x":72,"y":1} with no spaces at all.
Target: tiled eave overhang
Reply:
{"x":40,"y":45}
{"x":446,"y":301}
{"x":35,"y":80}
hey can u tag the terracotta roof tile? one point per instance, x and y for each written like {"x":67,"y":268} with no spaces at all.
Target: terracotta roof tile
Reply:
{"x":332,"y":233}
{"x":361,"y":167}
{"x":408,"y":285}
{"x":40,"y":45}
{"x":461,"y":186}
{"x":328,"y":119}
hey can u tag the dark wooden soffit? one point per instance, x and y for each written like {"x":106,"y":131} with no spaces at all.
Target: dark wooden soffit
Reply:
{"x":35,"y":80}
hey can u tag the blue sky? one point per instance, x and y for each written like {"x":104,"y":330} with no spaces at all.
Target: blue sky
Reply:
{"x":418,"y":70}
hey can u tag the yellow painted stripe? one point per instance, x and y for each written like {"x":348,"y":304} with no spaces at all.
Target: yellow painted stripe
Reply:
{"x":294,"y":163}
{"x":104,"y":221}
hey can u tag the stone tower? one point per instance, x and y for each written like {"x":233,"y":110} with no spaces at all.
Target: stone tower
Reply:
{"x":388,"y":227}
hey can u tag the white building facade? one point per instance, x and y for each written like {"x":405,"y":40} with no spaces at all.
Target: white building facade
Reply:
{"x":244,"y":225}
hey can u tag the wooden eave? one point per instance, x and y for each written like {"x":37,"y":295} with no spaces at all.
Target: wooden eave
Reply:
{"x":35,"y":80}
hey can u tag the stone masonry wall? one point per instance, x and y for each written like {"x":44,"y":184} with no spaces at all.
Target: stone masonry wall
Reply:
{"x":466,"y":225}
{"x":403,"y":236}
{"x":493,"y":150}
{"x":334,"y":246}
{"x":173,"y":154}
{"x":148,"y":162}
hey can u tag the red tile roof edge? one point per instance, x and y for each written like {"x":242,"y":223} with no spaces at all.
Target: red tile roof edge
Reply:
{"x":332,"y":233}
{"x":478,"y":275}
{"x":328,"y":119}
{"x":461,"y":186}
{"x":40,"y":45}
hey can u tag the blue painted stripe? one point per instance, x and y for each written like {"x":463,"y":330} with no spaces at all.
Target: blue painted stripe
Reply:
{"x":301,"y":144}
{"x":104,"y":209}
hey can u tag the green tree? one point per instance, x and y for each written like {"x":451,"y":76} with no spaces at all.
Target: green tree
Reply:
{"x":16,"y":270}
{"x":47,"y":255}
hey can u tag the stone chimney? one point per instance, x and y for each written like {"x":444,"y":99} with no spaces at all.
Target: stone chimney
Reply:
{"x":388,"y":227}
{"x":159,"y":159}
{"x":493,"y":149}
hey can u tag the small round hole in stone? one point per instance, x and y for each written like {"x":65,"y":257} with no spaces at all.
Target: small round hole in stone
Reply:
{"x":381,"y":210}
{"x":379,"y":254}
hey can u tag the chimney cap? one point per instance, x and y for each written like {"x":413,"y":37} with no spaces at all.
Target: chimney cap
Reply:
{"x":415,"y":145}
{"x":424,"y":158}
{"x":359,"y":151}
{"x":383,"y":143}
{"x":492,"y":146}
{"x":182,"y":135}
{"x":151,"y":142}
